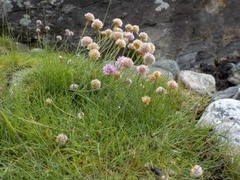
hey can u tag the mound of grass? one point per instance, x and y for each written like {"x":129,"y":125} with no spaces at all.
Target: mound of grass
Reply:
{"x":111,"y":133}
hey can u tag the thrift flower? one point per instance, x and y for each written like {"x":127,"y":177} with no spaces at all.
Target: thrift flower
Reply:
{"x":97,"y":24}
{"x":152,"y":47}
{"x":107,"y":33}
{"x":135,"y":29}
{"x":39,"y":22}
{"x":61,"y":139}
{"x":131,"y":46}
{"x":172,"y":84}
{"x":48,"y":101}
{"x":143,"y":36}
{"x":157,"y":74}
{"x":146,"y":100}
{"x":144,"y":48}
{"x":128,"y":81}
{"x":94,"y":54}
{"x":148,"y":58}
{"x":93,"y":45}
{"x":59,"y":38}
{"x":117,"y":35}
{"x":117,"y":75}
{"x":38,"y":30}
{"x":129,"y":27}
{"x":109,"y":69}
{"x":196,"y":171}
{"x":74,"y":87}
{"x":89,"y":17}
{"x":142,"y":70}
{"x":124,"y":62}
{"x":80,"y":115}
{"x":137,"y":43}
{"x":96,"y":84}
{"x":117,"y":22}
{"x":117,"y":29}
{"x":128,"y":35}
{"x":85,"y":41}
{"x":120,"y":43}
{"x":47,"y":28}
{"x":161,"y":90}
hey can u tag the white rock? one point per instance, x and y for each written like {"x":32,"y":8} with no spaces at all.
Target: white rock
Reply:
{"x":198,"y":82}
{"x":224,"y":116}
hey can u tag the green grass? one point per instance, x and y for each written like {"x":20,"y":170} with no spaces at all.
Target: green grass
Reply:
{"x":118,"y":134}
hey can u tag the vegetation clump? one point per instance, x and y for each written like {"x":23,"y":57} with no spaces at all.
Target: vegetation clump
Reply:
{"x":100,"y":113}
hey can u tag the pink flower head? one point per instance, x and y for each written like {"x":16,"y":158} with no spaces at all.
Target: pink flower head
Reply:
{"x":39,"y":22}
{"x":149,"y":58}
{"x":142,"y":70}
{"x":97,"y":24}
{"x":117,"y":22}
{"x":109,"y":69}
{"x":128,"y":35}
{"x":172,"y":84}
{"x":86,"y":40}
{"x":89,"y":17}
{"x":144,"y":48}
{"x":124,"y":62}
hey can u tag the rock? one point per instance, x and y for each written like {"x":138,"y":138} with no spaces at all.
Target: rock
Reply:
{"x":234,"y":76}
{"x":168,"y":65}
{"x":198,"y":82}
{"x":186,"y":62}
{"x":231,"y":92}
{"x":224,"y":116}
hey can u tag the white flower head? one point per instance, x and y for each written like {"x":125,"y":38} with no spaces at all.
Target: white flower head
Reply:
{"x":61,"y":139}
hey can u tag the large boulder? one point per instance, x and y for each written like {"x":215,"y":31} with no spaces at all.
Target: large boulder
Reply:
{"x":179,"y":28}
{"x":224,"y":116}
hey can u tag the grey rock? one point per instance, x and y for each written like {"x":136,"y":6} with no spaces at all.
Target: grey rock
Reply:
{"x":186,"y":62}
{"x":224,"y":116}
{"x":234,"y":76}
{"x":231,"y":92}
{"x":168,"y":65}
{"x":198,"y":82}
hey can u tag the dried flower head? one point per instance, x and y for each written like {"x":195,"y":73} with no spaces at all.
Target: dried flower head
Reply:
{"x":117,"y":29}
{"x":61,"y":139}
{"x":128,"y":81}
{"x":80,"y":115}
{"x":117,"y":22}
{"x":38,"y":30}
{"x":196,"y":171}
{"x":135,"y":29}
{"x":137,"y":43}
{"x":109,"y":69}
{"x":117,"y":35}
{"x":94,"y":54}
{"x":59,"y":38}
{"x":172,"y":84}
{"x":129,"y":27}
{"x":97,"y":24}
{"x":74,"y":87}
{"x":86,"y":40}
{"x":89,"y":17}
{"x":68,"y":33}
{"x":48,"y":101}
{"x":47,"y":28}
{"x":95,"y":84}
{"x":161,"y":91}
{"x":93,"y":45}
{"x":107,"y":33}
{"x":148,"y":58}
{"x":120,"y":43}
{"x":146,"y":100}
{"x":152,"y":47}
{"x":131,"y":46}
{"x":157,"y":74}
{"x":143,"y":36}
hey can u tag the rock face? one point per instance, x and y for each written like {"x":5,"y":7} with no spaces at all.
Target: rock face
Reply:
{"x":188,"y":30}
{"x":224,"y":116}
